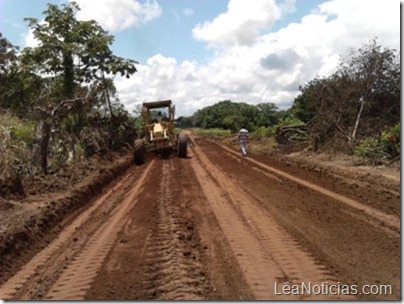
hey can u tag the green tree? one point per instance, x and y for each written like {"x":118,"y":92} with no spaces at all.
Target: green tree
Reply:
{"x":268,"y":115}
{"x":71,"y":54}
{"x":375,"y":72}
{"x":7,"y":58}
{"x":361,"y":98}
{"x":76,"y":51}
{"x":184,"y":122}
{"x":227,"y":115}
{"x":7,"y":53}
{"x":303,"y":106}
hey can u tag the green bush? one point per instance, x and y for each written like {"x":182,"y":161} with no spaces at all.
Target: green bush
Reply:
{"x":384,"y":146}
{"x":213,"y":132}
{"x":261,"y":132}
{"x":16,"y":139}
{"x":24,"y":132}
{"x":18,"y":129}
{"x":289,"y":121}
{"x":370,"y":147}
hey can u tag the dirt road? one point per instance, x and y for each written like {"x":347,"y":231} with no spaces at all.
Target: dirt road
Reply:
{"x":216,"y":226}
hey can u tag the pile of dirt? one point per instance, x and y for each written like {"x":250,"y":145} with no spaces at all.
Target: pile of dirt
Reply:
{"x":25,"y":221}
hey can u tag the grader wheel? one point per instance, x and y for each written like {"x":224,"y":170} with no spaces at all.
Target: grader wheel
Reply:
{"x":182,"y":145}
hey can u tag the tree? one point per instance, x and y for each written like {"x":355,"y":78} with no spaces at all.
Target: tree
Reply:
{"x":77,"y":51}
{"x":7,"y":53}
{"x":267,"y":114}
{"x":303,"y":106}
{"x":227,"y":115}
{"x":375,"y":72}
{"x":184,"y":122}
{"x":360,"y":99}
{"x":7,"y":57}
{"x":70,"y":54}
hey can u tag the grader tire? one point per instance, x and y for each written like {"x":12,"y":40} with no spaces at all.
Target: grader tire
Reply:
{"x":182,"y":145}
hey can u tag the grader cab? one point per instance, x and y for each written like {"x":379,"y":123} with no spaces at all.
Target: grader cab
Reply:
{"x":158,"y":132}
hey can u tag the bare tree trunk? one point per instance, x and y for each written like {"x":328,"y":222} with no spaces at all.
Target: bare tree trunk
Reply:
{"x":357,"y":119}
{"x":72,"y":153}
{"x":40,"y":148}
{"x":109,"y":102}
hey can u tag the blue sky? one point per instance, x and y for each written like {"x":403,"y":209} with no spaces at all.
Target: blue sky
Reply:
{"x":199,"y":52}
{"x":170,"y":34}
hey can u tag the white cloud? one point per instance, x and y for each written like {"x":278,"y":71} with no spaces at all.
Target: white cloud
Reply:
{"x":164,"y":78}
{"x":112,"y":15}
{"x":262,"y":67}
{"x":269,"y":67}
{"x":240,"y":24}
{"x":363,"y":20}
{"x":116,"y":15}
{"x":29,"y":39}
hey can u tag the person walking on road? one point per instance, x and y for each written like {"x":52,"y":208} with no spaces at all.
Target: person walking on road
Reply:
{"x":243,"y":138}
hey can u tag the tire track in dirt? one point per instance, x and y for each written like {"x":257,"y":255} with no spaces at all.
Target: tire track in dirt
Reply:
{"x":354,"y":211}
{"x":76,"y":279}
{"x":176,"y":276}
{"x":35,"y":277}
{"x":355,"y":247}
{"x":265,"y":251}
{"x":388,"y":220}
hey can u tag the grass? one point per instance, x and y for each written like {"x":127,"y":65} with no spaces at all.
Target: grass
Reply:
{"x":215,"y":132}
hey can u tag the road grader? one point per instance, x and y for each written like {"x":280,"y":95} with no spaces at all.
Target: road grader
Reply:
{"x":158,"y":135}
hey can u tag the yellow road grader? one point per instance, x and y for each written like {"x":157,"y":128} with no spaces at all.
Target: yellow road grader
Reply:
{"x":158,"y":135}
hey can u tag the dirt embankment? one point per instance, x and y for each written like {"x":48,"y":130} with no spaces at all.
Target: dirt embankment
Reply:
{"x":28,"y":222}
{"x":345,"y":226}
{"x":340,"y":173}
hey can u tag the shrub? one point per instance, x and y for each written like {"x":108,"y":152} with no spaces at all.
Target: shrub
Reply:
{"x":16,"y":139}
{"x":384,"y":146}
{"x":261,"y":132}
{"x":213,"y":132}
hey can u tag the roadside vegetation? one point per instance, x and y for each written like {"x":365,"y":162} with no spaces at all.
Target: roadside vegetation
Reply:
{"x":58,"y":102}
{"x":384,"y":146}
{"x":213,"y":132}
{"x":355,"y":111}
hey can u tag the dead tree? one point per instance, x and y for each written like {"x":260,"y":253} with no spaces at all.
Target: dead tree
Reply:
{"x":290,"y":134}
{"x":47,"y":115}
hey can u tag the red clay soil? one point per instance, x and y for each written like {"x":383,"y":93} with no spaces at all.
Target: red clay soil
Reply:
{"x":212,"y":226}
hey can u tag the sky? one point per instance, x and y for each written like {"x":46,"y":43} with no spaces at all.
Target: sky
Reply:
{"x":200,"y":52}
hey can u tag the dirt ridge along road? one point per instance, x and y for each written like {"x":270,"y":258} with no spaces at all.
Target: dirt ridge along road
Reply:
{"x":357,"y":248}
{"x":64,"y":264}
{"x":389,"y":220}
{"x":265,"y":251}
